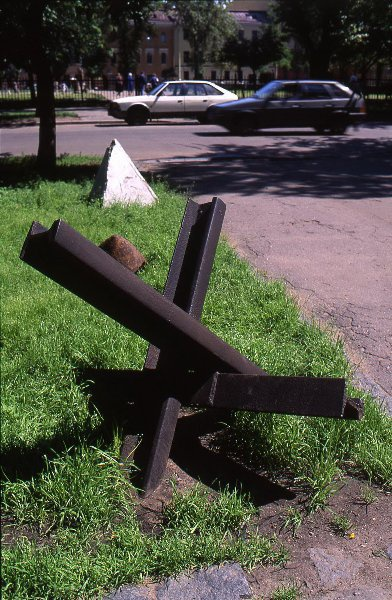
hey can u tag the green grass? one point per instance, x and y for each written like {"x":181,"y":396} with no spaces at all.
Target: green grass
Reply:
{"x":67,"y":505}
{"x":15,"y":115}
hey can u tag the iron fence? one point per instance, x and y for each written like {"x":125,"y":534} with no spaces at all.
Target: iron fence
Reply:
{"x":100,"y":91}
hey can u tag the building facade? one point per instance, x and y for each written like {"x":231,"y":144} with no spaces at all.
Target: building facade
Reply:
{"x":166,"y":52}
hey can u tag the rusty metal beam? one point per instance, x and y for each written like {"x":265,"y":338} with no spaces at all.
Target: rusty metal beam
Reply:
{"x":307,"y":396}
{"x":77,"y":264}
{"x":186,"y":286}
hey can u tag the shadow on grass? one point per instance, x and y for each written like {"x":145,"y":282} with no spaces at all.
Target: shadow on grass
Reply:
{"x":137,"y":414}
{"x":22,"y":171}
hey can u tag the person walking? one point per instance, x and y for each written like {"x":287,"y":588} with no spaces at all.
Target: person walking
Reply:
{"x":119,"y":83}
{"x":130,"y":83}
{"x":141,"y":84}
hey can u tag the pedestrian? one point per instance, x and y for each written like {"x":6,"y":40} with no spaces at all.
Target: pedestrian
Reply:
{"x":141,"y":84}
{"x":119,"y":83}
{"x":354,"y":84}
{"x":154,"y":80}
{"x":130,"y":83}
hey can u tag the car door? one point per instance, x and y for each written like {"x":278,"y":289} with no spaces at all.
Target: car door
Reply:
{"x":282,"y":108}
{"x":316,"y":103}
{"x":199,"y":96}
{"x":169,"y":101}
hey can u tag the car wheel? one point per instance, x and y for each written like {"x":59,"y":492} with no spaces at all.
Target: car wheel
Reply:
{"x":137,"y":116}
{"x":338,"y":129}
{"x":202,"y":118}
{"x":243,"y":125}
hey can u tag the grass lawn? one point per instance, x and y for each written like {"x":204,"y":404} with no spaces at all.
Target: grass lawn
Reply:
{"x":70,"y":526}
{"x":17,"y":115}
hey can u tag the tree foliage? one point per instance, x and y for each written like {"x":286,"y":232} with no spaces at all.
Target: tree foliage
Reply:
{"x":368,"y":39}
{"x":333,"y":31}
{"x":45,"y":36}
{"x":267,"y":48}
{"x":130,"y":22}
{"x":207,"y":26}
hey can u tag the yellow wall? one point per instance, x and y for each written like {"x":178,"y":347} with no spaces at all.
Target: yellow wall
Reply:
{"x":242,"y":5}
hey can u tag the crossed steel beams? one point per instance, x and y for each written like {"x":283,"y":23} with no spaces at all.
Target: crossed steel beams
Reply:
{"x":186,"y":363}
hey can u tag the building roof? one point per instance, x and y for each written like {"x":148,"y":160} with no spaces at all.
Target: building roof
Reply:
{"x":250,"y":17}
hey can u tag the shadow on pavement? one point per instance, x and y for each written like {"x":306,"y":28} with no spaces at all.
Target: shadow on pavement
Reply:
{"x":322,"y":167}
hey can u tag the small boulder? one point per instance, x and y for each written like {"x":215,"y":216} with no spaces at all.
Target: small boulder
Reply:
{"x":124,"y":252}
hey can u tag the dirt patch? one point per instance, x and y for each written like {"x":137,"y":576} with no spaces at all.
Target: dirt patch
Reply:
{"x":323,"y":563}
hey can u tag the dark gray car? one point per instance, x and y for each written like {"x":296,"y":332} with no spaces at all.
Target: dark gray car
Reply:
{"x":326,"y":106}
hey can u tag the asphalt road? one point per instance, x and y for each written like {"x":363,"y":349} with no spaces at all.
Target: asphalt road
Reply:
{"x":313,"y":210}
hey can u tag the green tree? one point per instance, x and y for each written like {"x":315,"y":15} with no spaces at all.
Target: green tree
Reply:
{"x":354,"y":31}
{"x":269,"y":47}
{"x":44,"y":36}
{"x":368,"y":39}
{"x":130,"y":22}
{"x":317,"y":27}
{"x":207,"y":25}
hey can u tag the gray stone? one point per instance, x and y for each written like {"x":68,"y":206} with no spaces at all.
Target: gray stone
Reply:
{"x":333,"y":567}
{"x":118,"y":180}
{"x":389,"y":552}
{"x":226,"y":582}
{"x":362,"y":593}
{"x":127,"y":592}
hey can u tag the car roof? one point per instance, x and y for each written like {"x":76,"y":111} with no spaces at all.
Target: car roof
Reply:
{"x":188,"y":81}
{"x":307,"y":81}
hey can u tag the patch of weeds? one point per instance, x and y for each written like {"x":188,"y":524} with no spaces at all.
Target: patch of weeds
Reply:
{"x":341,"y":524}
{"x":367,"y":497}
{"x":292,"y":520}
{"x":287,"y":592}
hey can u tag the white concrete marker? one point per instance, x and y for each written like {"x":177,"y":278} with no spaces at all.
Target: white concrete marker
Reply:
{"x":118,"y":180}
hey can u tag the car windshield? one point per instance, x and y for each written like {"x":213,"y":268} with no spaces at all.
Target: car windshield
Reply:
{"x":157,"y":89}
{"x":267,"y":90}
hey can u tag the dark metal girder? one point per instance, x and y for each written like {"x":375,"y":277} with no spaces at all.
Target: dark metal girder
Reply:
{"x":77,"y":264}
{"x":186,"y":286}
{"x":307,"y":396}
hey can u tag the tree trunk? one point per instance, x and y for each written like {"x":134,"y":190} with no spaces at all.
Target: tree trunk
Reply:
{"x":46,"y":158}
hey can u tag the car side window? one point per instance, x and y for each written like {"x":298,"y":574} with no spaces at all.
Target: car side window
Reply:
{"x":198,"y":89}
{"x":210,"y":90}
{"x":170,"y":90}
{"x":337,"y":92}
{"x":314,"y":91}
{"x":286,"y":92}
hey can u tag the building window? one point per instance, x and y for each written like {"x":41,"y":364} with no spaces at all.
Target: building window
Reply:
{"x":213,"y":75}
{"x":241,"y":34}
{"x":255,"y":35}
{"x":163,"y":37}
{"x":186,"y":74}
{"x":226,"y":75}
{"x":149,"y":57}
{"x":186,"y":57}
{"x":163,"y":58}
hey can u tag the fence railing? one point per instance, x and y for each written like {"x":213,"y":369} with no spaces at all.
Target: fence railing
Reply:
{"x":100,"y":91}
